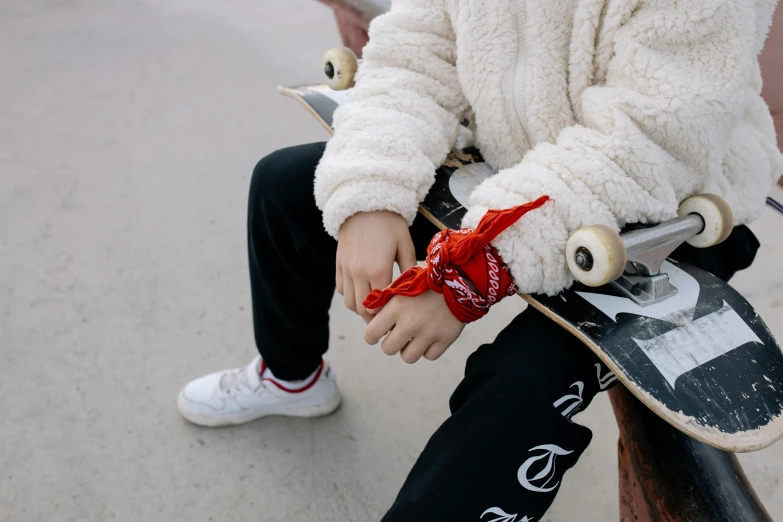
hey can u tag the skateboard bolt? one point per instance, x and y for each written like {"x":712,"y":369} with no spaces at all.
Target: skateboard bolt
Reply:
{"x":584,"y":259}
{"x":636,"y":289}
{"x":329,"y":70}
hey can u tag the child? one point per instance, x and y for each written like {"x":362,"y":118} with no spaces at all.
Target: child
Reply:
{"x":615,"y":109}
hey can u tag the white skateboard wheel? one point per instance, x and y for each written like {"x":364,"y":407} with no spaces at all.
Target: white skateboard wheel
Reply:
{"x":717,"y":215}
{"x":340,"y":66}
{"x":596,"y":255}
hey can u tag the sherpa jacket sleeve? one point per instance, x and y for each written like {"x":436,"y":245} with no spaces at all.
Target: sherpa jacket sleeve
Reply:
{"x":402,"y":120}
{"x":676,"y":104}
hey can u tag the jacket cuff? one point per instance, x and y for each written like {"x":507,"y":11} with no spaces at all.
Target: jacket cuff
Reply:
{"x":367,"y":196}
{"x":533,"y":248}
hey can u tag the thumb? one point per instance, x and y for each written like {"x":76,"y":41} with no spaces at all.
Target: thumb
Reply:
{"x":406,"y":254}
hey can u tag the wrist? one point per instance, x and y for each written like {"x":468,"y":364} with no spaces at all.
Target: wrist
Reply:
{"x":470,"y":284}
{"x":453,"y":254}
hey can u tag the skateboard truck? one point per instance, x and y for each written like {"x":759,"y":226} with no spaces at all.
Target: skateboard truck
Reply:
{"x":647,"y":249}
{"x":631,"y":262}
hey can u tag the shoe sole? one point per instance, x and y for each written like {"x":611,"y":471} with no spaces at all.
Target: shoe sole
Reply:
{"x":291,"y":410}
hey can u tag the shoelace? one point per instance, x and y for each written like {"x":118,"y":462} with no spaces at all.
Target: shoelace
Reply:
{"x":235,"y":380}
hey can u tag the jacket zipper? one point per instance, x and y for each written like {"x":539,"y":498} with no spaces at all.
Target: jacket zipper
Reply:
{"x":518,"y":73}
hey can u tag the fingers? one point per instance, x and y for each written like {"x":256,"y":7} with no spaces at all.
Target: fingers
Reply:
{"x":381,"y":277}
{"x":349,"y":296}
{"x":436,"y":350}
{"x":338,"y":280}
{"x":381,"y":323}
{"x":406,"y":253}
{"x":368,"y":244}
{"x":395,"y":341}
{"x":420,"y":326}
{"x":355,"y":289}
{"x":362,"y":288}
{"x":415,"y":348}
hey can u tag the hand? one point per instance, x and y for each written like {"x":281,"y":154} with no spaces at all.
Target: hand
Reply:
{"x":420,"y":326}
{"x":368,"y":244}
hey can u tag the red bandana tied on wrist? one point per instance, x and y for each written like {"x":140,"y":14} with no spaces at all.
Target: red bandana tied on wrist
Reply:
{"x":456,"y":255}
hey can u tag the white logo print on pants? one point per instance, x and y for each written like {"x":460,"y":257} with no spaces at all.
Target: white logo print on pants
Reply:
{"x":543,"y":477}
{"x":575,"y":400}
{"x":604,"y":380}
{"x":503,"y":516}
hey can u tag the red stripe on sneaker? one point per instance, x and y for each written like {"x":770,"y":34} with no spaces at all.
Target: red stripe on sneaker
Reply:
{"x":295,"y":390}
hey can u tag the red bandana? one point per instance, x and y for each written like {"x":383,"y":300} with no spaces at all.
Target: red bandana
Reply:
{"x":456,"y":255}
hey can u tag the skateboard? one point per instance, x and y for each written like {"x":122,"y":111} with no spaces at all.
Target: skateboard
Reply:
{"x":684,"y":342}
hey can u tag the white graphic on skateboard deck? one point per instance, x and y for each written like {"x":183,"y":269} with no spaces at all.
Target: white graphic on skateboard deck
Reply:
{"x":692,"y":343}
{"x":339,"y":97}
{"x":465,"y":179}
{"x":697,"y":342}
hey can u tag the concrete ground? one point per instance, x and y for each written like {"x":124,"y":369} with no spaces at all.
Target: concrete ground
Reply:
{"x":128,"y":131}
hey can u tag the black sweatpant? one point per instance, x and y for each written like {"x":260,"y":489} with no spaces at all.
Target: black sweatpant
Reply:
{"x":502,"y":453}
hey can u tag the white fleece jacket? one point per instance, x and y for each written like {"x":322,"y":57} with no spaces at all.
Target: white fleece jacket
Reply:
{"x":617,"y":109}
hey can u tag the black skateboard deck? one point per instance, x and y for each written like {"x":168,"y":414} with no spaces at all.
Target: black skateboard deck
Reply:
{"x":703,"y":360}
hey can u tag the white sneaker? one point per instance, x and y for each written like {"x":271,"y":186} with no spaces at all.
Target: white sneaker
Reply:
{"x":242,"y":395}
